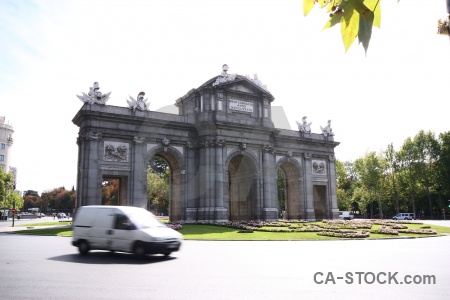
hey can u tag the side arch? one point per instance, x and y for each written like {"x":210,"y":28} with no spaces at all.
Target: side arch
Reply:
{"x":176,"y":164}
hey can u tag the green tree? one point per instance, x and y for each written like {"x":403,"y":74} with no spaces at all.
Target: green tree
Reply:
{"x":8,"y":197}
{"x":370,"y":170}
{"x":158,"y":165}
{"x":427,"y":148}
{"x":362,"y":198}
{"x":443,"y":167}
{"x":392,"y":167}
{"x":408,"y":171}
{"x":110,"y":191}
{"x":59,"y":199}
{"x":281,"y":187}
{"x":158,"y":191}
{"x":344,"y":187}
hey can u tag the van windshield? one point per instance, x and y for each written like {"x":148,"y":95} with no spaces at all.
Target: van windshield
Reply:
{"x":144,"y":219}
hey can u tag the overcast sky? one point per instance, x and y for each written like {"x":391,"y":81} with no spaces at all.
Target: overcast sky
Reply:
{"x":53,"y":50}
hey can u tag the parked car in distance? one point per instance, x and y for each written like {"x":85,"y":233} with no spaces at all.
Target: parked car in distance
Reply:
{"x":122,"y":228}
{"x":404,"y":216}
{"x":346,"y":215}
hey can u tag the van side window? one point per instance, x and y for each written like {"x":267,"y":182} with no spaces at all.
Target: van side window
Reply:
{"x":122,"y":222}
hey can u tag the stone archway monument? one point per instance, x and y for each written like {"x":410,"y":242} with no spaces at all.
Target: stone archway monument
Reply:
{"x":222,"y":148}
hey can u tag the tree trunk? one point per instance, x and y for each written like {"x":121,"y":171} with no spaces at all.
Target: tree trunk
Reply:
{"x":413,"y":204}
{"x":429,"y":203}
{"x":380,"y":208}
{"x":397,"y":208}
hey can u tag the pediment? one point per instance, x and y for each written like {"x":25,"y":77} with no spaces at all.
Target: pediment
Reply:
{"x":240,"y":83}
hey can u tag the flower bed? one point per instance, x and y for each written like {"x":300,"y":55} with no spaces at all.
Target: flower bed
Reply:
{"x":333,"y":228}
{"x":418,"y":231}
{"x":386,"y":230}
{"x":345,"y":234}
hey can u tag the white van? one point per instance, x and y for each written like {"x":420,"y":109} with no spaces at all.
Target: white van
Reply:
{"x":404,"y":216}
{"x":122,"y":228}
{"x":346,"y":215}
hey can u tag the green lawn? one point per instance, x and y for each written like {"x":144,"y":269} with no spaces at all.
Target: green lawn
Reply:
{"x":211,"y":232}
{"x":46,"y":224}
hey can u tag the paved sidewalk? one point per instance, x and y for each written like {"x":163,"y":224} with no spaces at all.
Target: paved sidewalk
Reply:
{"x":6,"y":226}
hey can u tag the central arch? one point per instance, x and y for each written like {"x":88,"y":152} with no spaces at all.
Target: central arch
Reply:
{"x":242,"y":189}
{"x":292,"y":189}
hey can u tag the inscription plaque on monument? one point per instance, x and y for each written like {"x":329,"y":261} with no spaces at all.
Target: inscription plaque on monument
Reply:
{"x":243,"y":106}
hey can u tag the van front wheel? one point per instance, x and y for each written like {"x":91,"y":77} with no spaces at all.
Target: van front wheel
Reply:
{"x":139,"y":250}
{"x":83,"y":247}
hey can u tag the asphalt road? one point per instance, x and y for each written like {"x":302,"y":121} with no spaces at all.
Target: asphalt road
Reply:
{"x":40,"y":267}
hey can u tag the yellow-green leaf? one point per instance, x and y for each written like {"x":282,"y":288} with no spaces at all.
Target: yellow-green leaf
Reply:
{"x":335,"y":19}
{"x":323,"y":3}
{"x":364,"y":33}
{"x":349,"y":26}
{"x":307,"y":6}
{"x":362,"y":9}
{"x":375,"y":7}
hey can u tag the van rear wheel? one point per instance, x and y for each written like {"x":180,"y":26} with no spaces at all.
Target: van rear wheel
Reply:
{"x":139,"y":250}
{"x":83,"y":247}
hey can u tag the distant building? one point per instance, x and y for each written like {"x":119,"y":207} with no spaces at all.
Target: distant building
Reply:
{"x":6,"y":141}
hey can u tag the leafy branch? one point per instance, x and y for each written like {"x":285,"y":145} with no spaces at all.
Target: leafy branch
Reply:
{"x":357,"y":17}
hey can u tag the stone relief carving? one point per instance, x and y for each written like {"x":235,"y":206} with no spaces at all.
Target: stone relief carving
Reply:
{"x":220,"y":143}
{"x":115,"y":151}
{"x":94,"y":96}
{"x":318,"y":167}
{"x":307,"y":155}
{"x":242,"y":146}
{"x":327,"y":131}
{"x":332,"y":158}
{"x":138,"y":140}
{"x":165,"y":142}
{"x":139,"y":104}
{"x":304,"y":127}
{"x":93,"y":136}
{"x":224,"y":76}
{"x":268,"y":148}
{"x":191,"y":145}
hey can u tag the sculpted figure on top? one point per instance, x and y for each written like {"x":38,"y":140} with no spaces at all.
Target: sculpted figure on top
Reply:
{"x":327,"y":131}
{"x":304,"y":127}
{"x":224,"y":76}
{"x":140,"y":103}
{"x":94,"y":95}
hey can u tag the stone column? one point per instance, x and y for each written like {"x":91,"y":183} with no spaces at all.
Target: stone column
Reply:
{"x":191,"y":182}
{"x":211,"y":180}
{"x":138,"y":193}
{"x":309,"y":192}
{"x":334,"y":213}
{"x":221,"y":214}
{"x":202,"y":183}
{"x":270,"y":211}
{"x":90,"y":173}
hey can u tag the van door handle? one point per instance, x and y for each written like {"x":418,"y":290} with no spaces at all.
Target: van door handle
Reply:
{"x":109,"y":232}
